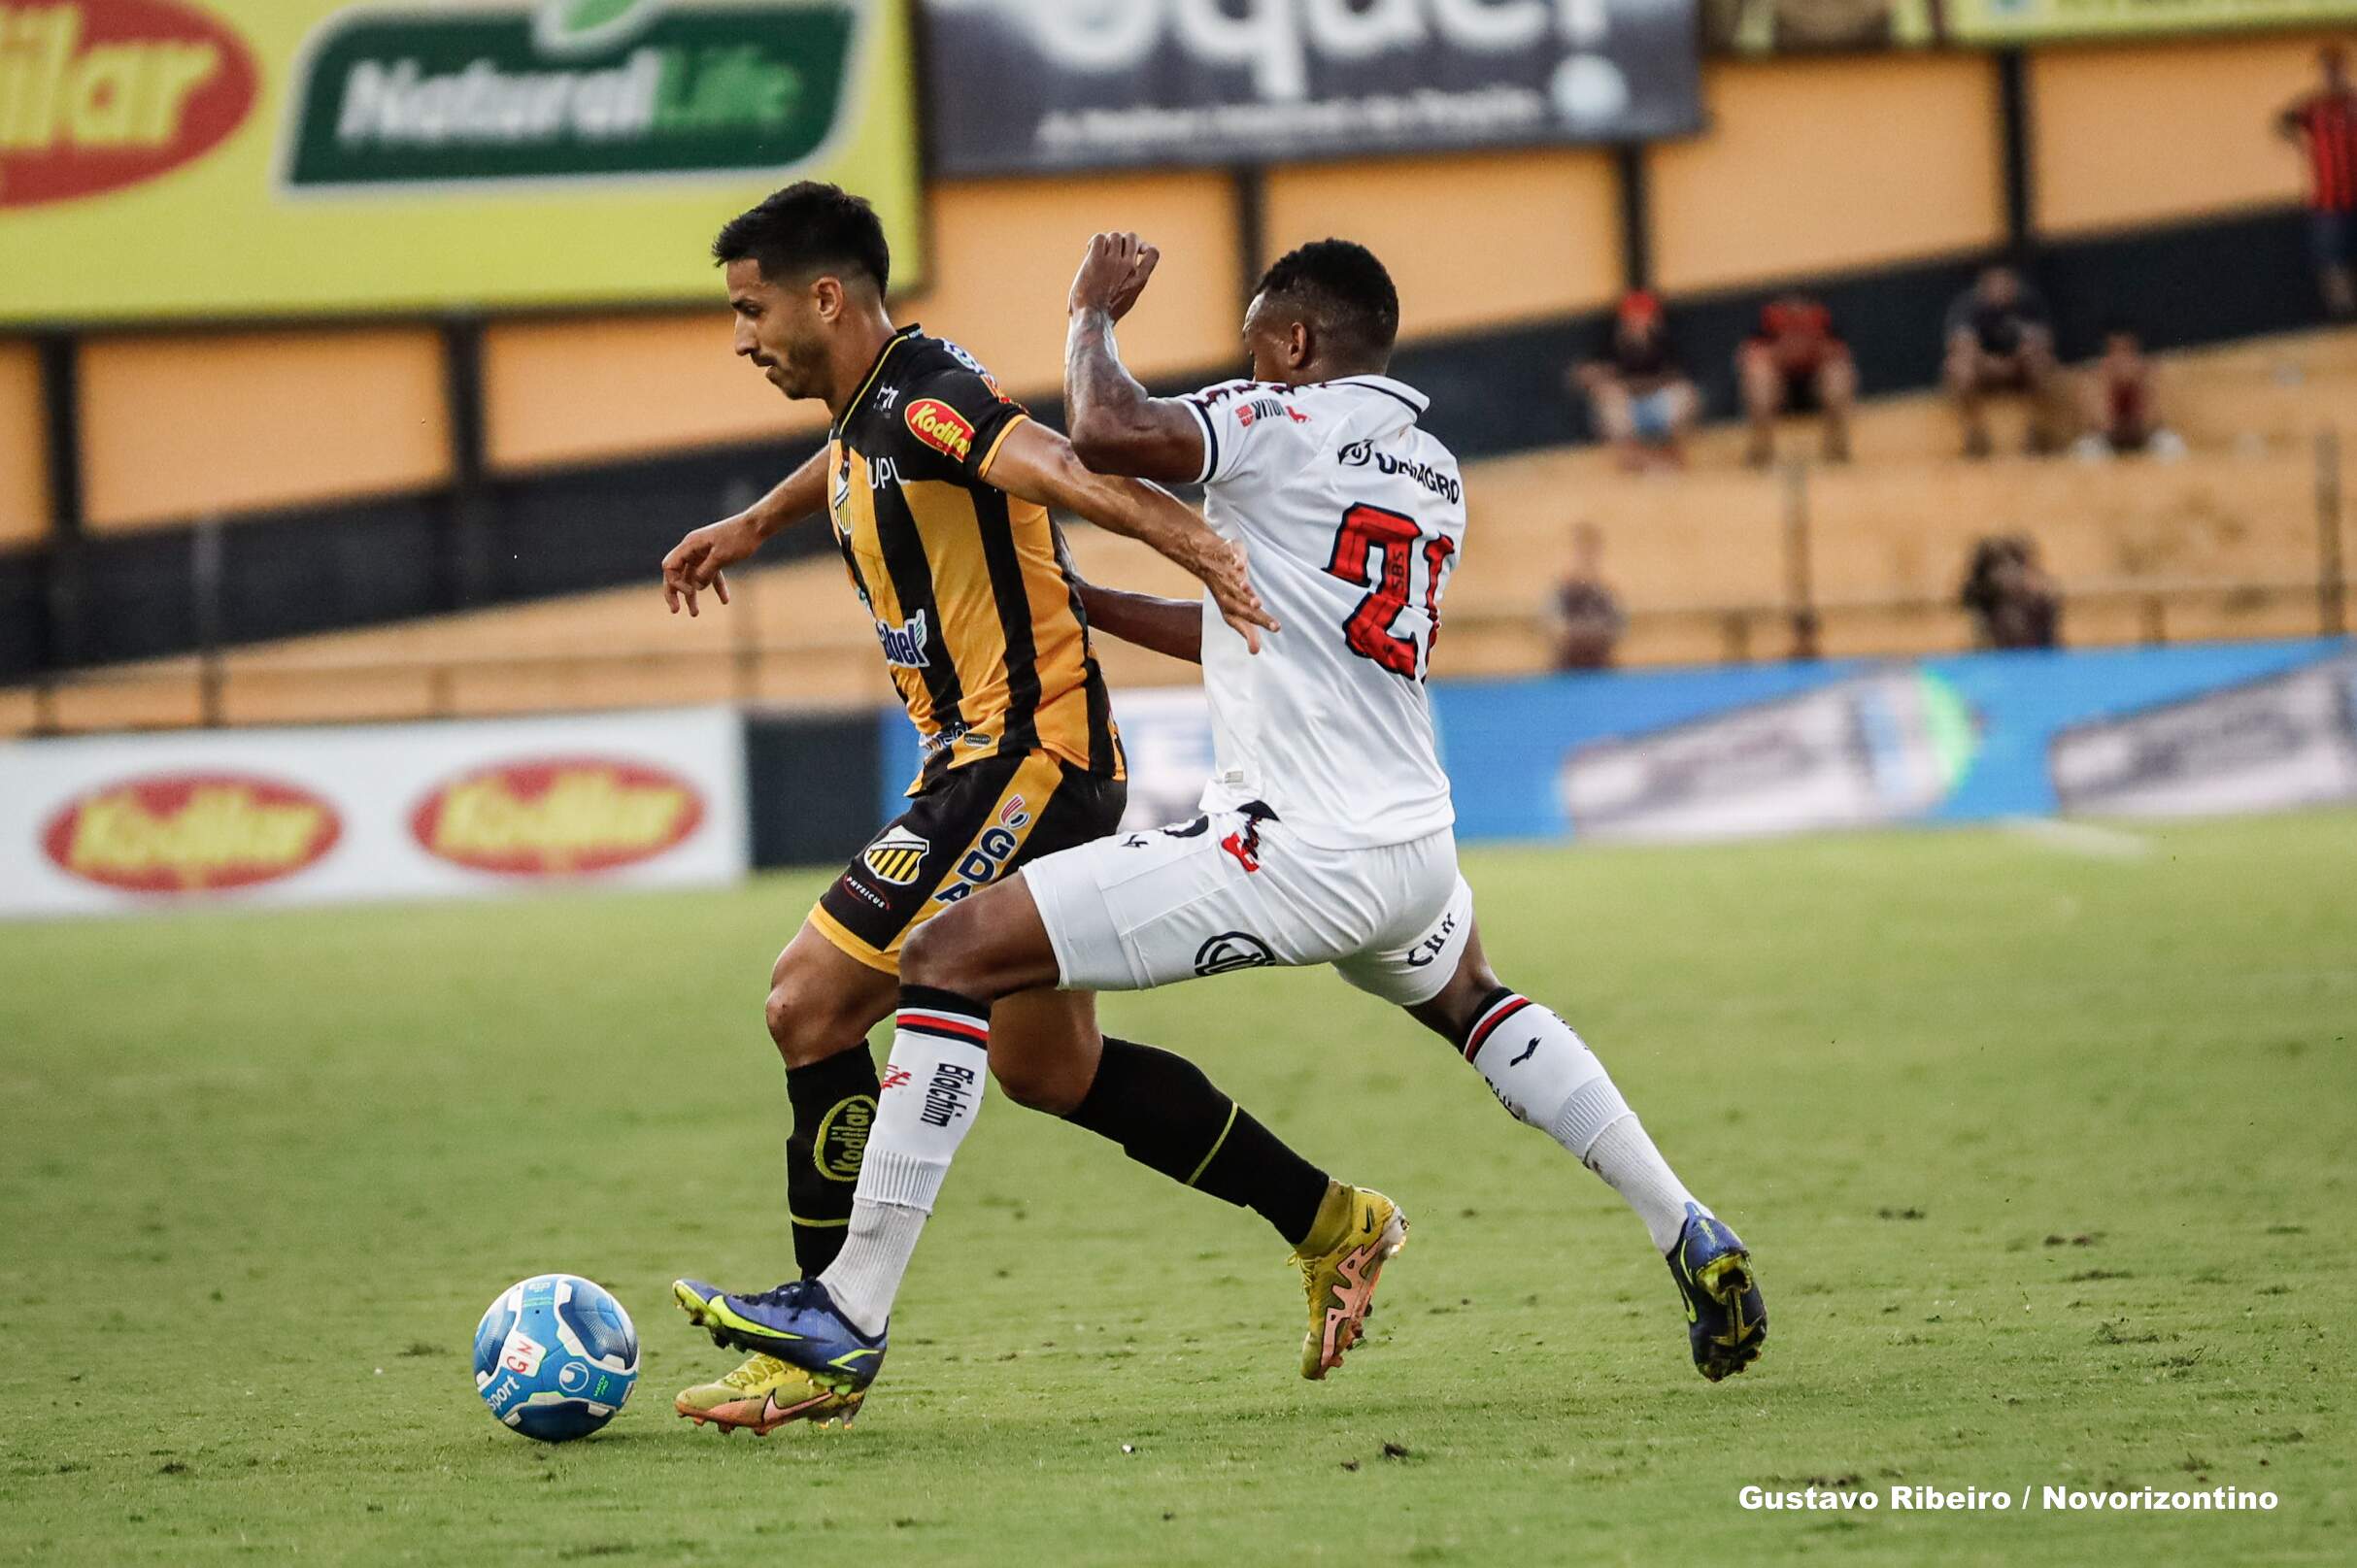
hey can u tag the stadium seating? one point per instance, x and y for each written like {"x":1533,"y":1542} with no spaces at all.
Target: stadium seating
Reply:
{"x":1710,"y":562}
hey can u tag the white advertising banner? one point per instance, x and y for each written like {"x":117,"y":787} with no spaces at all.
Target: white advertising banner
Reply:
{"x":119,"y":824}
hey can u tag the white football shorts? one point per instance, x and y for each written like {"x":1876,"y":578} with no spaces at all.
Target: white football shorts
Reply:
{"x":1231,"y":891}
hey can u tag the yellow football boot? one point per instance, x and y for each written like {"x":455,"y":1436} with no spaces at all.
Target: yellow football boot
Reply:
{"x":1356,"y":1232}
{"x":764,"y":1394}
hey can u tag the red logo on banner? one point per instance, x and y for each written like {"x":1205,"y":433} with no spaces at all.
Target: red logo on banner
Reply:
{"x":191,"y":833}
{"x":557,"y":817}
{"x":99,"y":94}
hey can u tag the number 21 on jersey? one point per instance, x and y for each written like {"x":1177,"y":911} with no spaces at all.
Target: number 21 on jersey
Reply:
{"x":1378,"y":550}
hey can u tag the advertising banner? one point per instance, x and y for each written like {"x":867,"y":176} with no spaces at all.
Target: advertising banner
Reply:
{"x":2287,"y":740}
{"x":204,"y":819}
{"x":209,"y":157}
{"x":1687,"y":755}
{"x":1819,"y":27}
{"x":2030,"y":21}
{"x":1025,"y":86}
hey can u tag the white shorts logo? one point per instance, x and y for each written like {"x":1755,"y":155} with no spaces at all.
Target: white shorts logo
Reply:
{"x":1231,"y":950}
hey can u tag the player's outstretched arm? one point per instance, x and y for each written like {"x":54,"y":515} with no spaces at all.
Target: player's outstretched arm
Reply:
{"x":1117,"y":428}
{"x":695,"y":563}
{"x":1033,"y":463}
{"x":1169,"y":626}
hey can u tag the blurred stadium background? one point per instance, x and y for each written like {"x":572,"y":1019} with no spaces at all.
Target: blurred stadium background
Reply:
{"x":359,"y":365}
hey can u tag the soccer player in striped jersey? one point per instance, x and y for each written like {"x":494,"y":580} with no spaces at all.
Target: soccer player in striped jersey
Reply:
{"x":937,"y":487}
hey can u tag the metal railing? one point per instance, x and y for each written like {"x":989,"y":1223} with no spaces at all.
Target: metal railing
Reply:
{"x":751,"y":669}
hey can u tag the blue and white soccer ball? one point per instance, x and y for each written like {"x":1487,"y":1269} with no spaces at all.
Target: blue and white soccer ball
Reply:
{"x":554,"y":1357}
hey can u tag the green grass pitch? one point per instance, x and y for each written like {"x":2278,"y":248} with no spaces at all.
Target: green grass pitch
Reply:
{"x":2046,"y":1157}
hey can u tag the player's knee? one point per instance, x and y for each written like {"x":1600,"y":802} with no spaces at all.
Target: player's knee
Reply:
{"x":807,"y":1022}
{"x":1033,"y":1084}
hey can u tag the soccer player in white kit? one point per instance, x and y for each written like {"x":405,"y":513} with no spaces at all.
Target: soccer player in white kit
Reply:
{"x":1326,"y":836}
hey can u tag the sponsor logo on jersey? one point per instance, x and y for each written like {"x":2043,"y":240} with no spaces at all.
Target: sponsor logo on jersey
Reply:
{"x":557,"y":817}
{"x":941,"y":427}
{"x":189,"y":833}
{"x":894,"y":1078}
{"x":1231,"y":950}
{"x":842,"y":1137}
{"x":458,"y":96}
{"x":1267,"y":408}
{"x":981,"y":864}
{"x":99,"y":94}
{"x":1440,"y":482}
{"x":904,"y":644}
{"x":896,"y":855}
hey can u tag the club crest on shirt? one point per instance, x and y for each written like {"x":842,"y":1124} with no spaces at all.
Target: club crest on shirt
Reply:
{"x":897,"y":855}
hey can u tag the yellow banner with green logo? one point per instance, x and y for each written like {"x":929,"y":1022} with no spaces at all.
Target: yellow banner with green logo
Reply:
{"x":250,"y":159}
{"x":2029,"y":21}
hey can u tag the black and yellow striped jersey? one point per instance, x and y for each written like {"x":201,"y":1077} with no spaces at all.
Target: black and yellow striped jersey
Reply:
{"x":980,"y":622}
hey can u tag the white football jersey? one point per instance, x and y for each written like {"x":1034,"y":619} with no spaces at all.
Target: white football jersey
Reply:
{"x":1351,"y":517}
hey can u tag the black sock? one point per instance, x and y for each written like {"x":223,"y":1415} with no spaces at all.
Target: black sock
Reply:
{"x":1169,"y":1117}
{"x":834,"y":1105}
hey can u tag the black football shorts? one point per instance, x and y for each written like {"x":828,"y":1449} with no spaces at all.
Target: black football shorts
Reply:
{"x":967,"y":830}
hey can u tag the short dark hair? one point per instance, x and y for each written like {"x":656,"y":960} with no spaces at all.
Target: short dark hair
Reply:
{"x":808,"y":227}
{"x":1344,"y":288}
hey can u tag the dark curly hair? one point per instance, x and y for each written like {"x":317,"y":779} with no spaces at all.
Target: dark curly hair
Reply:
{"x":1341,"y":289}
{"x":808,"y":228}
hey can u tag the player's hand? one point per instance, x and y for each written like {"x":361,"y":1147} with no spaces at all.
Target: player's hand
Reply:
{"x":695,"y":564}
{"x":1113,"y":274}
{"x":1223,"y":570}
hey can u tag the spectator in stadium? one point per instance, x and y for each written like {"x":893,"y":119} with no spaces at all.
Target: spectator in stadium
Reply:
{"x":2000,"y":341}
{"x":2013,"y":602}
{"x":1645,"y":404}
{"x":1586,"y":619}
{"x":2324,"y":125}
{"x":2121,"y":402}
{"x":1795,"y":363}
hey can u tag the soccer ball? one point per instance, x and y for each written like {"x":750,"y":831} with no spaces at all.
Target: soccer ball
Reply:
{"x":554,"y":1357}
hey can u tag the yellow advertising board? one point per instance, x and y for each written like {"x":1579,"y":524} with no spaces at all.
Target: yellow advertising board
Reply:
{"x":2029,"y":21}
{"x":2052,"y":19}
{"x":1835,"y":26}
{"x":249,"y":158}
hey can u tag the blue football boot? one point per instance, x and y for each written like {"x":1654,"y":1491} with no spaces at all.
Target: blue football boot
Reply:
{"x":811,"y":1365}
{"x":1725,"y":1316}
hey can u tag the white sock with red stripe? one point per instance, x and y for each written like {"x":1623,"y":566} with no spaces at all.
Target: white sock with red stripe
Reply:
{"x":932,"y":1089}
{"x":1544,"y":1073}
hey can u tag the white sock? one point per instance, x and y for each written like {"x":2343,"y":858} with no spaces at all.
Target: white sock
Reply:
{"x":1545,"y":1075}
{"x":932,"y":1088}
